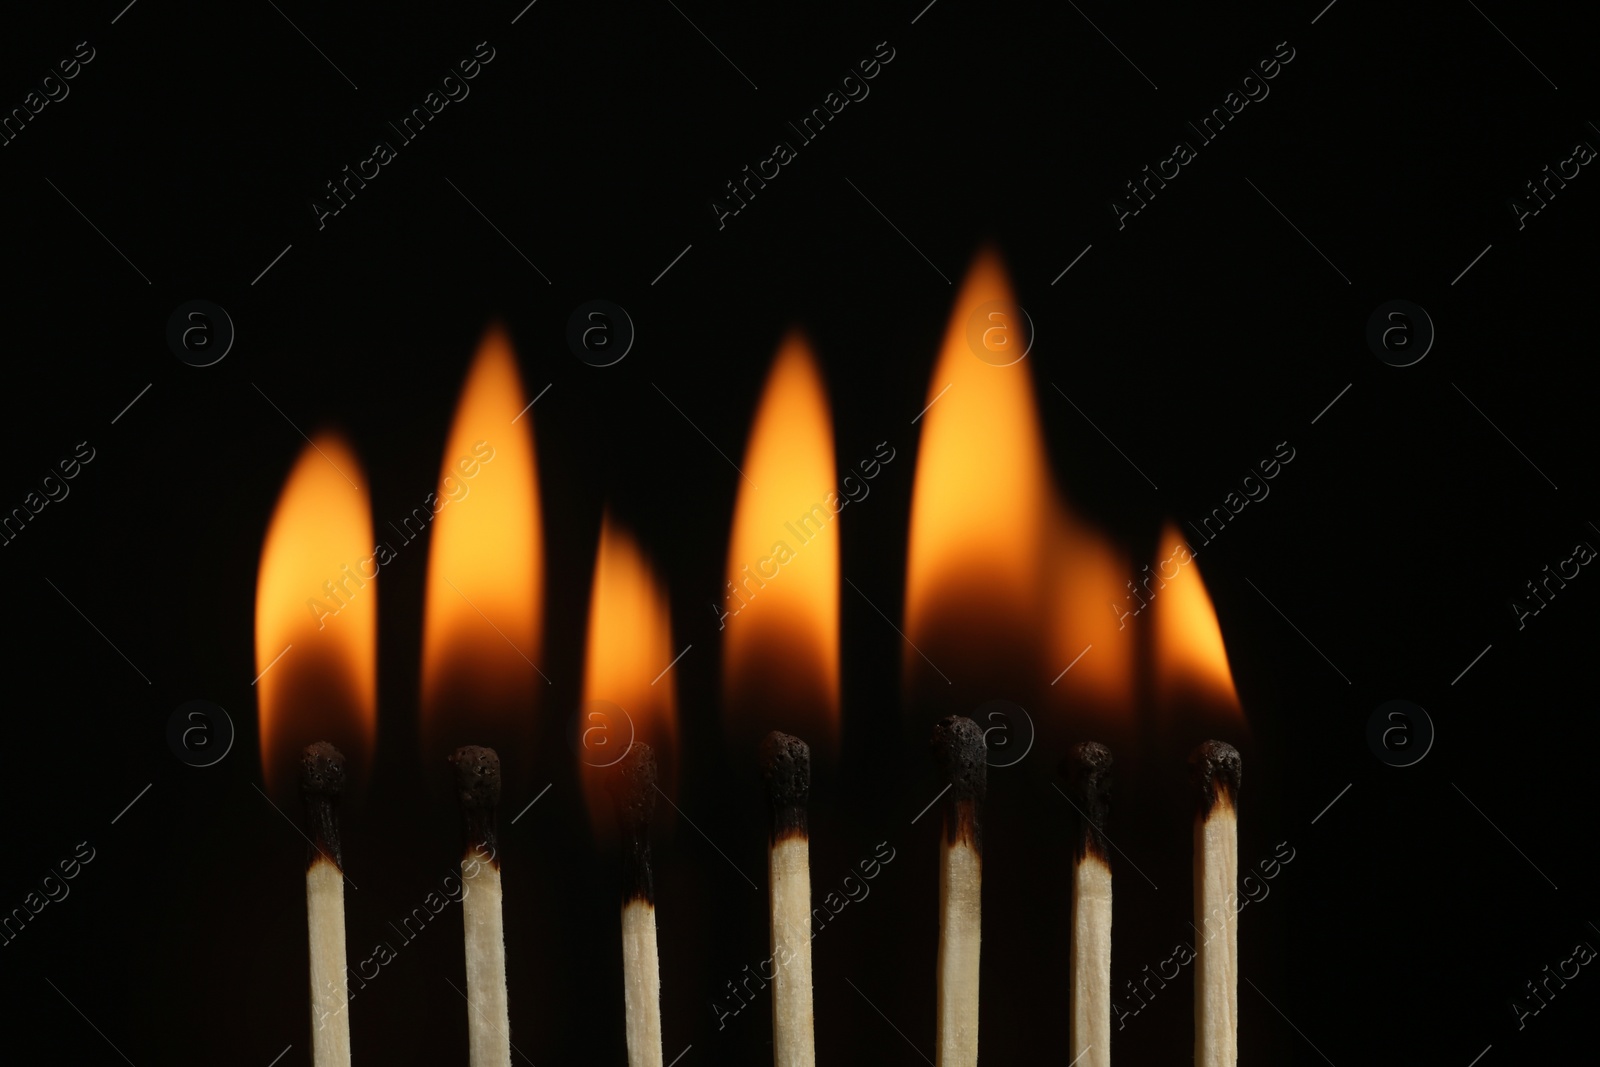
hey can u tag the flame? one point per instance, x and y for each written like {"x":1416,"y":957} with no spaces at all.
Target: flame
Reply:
{"x":1190,"y":657}
{"x":317,"y":598}
{"x":1089,"y":644}
{"x":1001,"y":575}
{"x":980,"y":499}
{"x":781,"y":597}
{"x":628,"y":692}
{"x":481,"y":623}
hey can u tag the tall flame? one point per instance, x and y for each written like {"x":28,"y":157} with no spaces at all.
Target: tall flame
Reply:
{"x":1001,"y":577}
{"x":628,"y":690}
{"x":317,"y":615}
{"x":1191,"y":660}
{"x":979,"y":503}
{"x":481,"y":622}
{"x":780,"y":615}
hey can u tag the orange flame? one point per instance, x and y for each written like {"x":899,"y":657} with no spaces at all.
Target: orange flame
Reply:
{"x":781,"y":627}
{"x":1091,"y":647}
{"x":481,"y":623}
{"x":1190,"y":658}
{"x":628,"y":690}
{"x":1001,"y":577}
{"x":317,"y":615}
{"x":979,"y":502}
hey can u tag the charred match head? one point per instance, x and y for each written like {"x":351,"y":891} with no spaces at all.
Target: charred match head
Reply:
{"x":321,"y":785}
{"x":1087,"y":768}
{"x":1214,"y":768}
{"x":478,"y":788}
{"x":632,"y":783}
{"x":786,"y":768}
{"x":962,"y":755}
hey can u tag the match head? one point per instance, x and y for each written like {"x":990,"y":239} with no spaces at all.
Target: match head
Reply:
{"x":962,"y":755}
{"x":786,"y":768}
{"x":321,"y":783}
{"x":321,"y":771}
{"x":1087,"y":768}
{"x":478,"y":789}
{"x":1215,"y":768}
{"x":477,"y":777}
{"x":632,"y":784}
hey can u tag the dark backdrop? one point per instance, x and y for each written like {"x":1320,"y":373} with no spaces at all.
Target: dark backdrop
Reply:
{"x":1222,"y":319}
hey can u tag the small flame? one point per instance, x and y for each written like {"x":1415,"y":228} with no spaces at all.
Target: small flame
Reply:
{"x":1191,"y":660}
{"x":781,"y":628}
{"x":628,"y":690}
{"x":317,"y":615}
{"x":1091,"y":647}
{"x":481,"y":622}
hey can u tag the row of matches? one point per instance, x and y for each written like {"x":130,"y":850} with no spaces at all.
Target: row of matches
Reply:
{"x":785,"y":762}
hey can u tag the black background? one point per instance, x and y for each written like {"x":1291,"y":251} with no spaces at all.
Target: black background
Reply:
{"x":1196,"y":338}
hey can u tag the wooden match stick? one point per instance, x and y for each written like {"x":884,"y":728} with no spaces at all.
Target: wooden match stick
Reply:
{"x":488,"y":1016}
{"x":962,"y":755}
{"x":786,"y":766}
{"x":1088,"y":772}
{"x":321,"y":783}
{"x":632,"y":783}
{"x":1214,"y":768}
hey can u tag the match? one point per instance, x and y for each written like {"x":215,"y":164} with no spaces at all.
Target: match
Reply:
{"x":786,"y":767}
{"x":488,"y":1016}
{"x":1088,"y":772}
{"x":632,"y":783}
{"x":1214,"y":769}
{"x":962,"y":755}
{"x":321,"y":783}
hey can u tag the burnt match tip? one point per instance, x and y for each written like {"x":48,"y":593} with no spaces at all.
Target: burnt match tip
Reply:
{"x":321,"y":782}
{"x":1215,"y":768}
{"x":478,"y":788}
{"x":322,"y":770}
{"x":632,"y":784}
{"x":786,"y":767}
{"x":477,"y":777}
{"x":1087,"y":768}
{"x":959,"y":748}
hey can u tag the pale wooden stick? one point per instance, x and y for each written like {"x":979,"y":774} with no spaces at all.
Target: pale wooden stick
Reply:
{"x":959,"y":746}
{"x":1215,"y":767}
{"x":641,"y":983}
{"x":1088,"y":771}
{"x":321,"y":783}
{"x":488,"y":1013}
{"x":633,"y":786}
{"x":482,"y":913}
{"x":786,"y":765}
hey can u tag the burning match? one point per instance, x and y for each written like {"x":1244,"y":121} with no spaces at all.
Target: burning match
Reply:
{"x":961,"y":752}
{"x":321,"y":783}
{"x":786,"y":767}
{"x":633,"y":786}
{"x":488,"y":1018}
{"x":1088,"y":772}
{"x":1214,"y":769}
